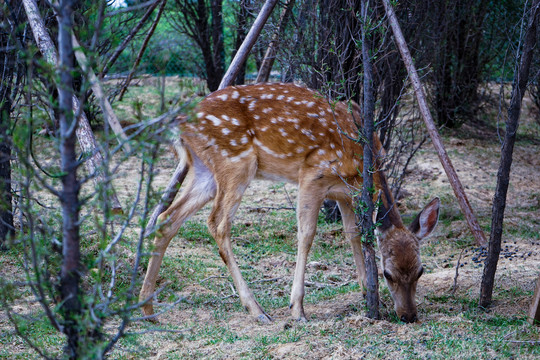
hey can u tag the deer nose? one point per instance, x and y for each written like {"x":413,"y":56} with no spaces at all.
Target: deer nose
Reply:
{"x":409,"y":318}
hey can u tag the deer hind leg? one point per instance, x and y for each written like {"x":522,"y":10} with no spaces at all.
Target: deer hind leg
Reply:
{"x":200,"y":189}
{"x":310,"y":199}
{"x":352,"y":234}
{"x":230,"y":190}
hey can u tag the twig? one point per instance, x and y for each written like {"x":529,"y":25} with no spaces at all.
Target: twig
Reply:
{"x":266,"y":280}
{"x":457,"y":272}
{"x":271,"y":208}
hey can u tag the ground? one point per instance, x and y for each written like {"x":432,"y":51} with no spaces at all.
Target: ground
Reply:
{"x":208,"y":322}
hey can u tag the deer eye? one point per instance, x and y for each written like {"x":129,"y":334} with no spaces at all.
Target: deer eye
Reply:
{"x":388,"y":276}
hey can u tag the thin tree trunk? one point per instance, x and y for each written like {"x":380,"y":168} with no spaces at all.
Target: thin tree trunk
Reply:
{"x":432,"y":129}
{"x":86,"y":138}
{"x":98,"y":91}
{"x":372,"y":280}
{"x":142,"y":50}
{"x":248,"y":43}
{"x":534,"y":310}
{"x":9,"y":69}
{"x":128,"y":39}
{"x":270,"y":55}
{"x":70,"y":272}
{"x":521,"y":78}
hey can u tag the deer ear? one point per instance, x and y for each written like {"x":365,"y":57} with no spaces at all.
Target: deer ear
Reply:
{"x":426,"y":220}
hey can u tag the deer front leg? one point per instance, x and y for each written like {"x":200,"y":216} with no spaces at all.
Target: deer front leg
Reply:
{"x":352,"y":234}
{"x":309,"y":203}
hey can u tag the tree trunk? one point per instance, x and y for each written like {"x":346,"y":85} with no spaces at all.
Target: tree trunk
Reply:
{"x":70,"y":272}
{"x":521,"y":78}
{"x":372,"y":280}
{"x":534,"y":310}
{"x":432,"y":129}
{"x":8,"y":59}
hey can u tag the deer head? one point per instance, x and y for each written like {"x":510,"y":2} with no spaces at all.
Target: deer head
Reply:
{"x":400,"y":255}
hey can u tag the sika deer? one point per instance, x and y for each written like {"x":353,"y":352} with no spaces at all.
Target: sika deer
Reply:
{"x":286,"y":132}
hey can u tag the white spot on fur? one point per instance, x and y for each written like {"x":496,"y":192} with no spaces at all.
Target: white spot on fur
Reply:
{"x":224,"y":153}
{"x":242,"y":155}
{"x":321,"y":152}
{"x":313,"y":115}
{"x":235,"y":121}
{"x":291,"y":141}
{"x":225,"y":117}
{"x":268,"y":150}
{"x":256,"y":117}
{"x":280,"y":97}
{"x":225,"y":131}
{"x":223,"y":97}
{"x":267,"y":110}
{"x":300,"y":150}
{"x":244,"y":140}
{"x":234,"y":143}
{"x":339,"y":154}
{"x":235,"y":95}
{"x":214,"y":120}
{"x":200,"y":115}
{"x":332,"y":146}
